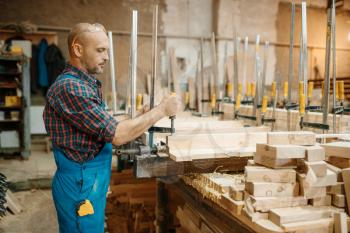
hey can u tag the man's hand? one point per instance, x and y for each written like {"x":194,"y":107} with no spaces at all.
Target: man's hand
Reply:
{"x":170,"y":105}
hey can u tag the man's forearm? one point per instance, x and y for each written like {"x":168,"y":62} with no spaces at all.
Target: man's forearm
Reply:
{"x":130,"y":129}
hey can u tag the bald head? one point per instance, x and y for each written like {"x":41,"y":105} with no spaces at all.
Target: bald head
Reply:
{"x":82,"y":30}
{"x":88,"y":46}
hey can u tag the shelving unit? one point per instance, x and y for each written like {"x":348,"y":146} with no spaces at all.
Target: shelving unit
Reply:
{"x":14,"y":117}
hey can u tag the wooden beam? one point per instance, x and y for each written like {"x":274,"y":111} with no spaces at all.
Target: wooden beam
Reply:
{"x":264,"y":174}
{"x":264,"y":204}
{"x":261,"y":189}
{"x":346,"y":178}
{"x":154,"y":166}
{"x":337,"y":149}
{"x":302,"y":138}
{"x":281,"y":151}
{"x":314,"y":153}
{"x":340,"y":223}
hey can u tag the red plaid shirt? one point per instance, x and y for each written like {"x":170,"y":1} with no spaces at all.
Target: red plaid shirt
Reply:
{"x":75,"y":116}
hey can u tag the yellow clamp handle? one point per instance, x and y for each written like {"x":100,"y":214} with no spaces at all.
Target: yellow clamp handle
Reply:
{"x":139,"y":102}
{"x":301,"y":87}
{"x":285,"y":90}
{"x":322,"y":93}
{"x":273,"y":89}
{"x":253,"y":89}
{"x":187,"y":98}
{"x":310,"y":89}
{"x":213,"y":101}
{"x":302,"y":104}
{"x":264,"y":104}
{"x":239,"y":88}
{"x":229,"y":88}
{"x":238,"y":101}
{"x":248,"y":90}
{"x":341,"y":90}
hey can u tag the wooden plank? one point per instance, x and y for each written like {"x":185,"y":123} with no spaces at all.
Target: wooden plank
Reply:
{"x":153,"y":166}
{"x":261,"y":189}
{"x":263,"y":174}
{"x":314,"y":153}
{"x":337,"y":171}
{"x":324,"y":225}
{"x":312,"y":180}
{"x":280,"y":151}
{"x":336,"y":189}
{"x":339,"y":162}
{"x":275,"y":163}
{"x":232,"y":206}
{"x":264,"y":204}
{"x":337,"y":149}
{"x":309,"y":191}
{"x":346,"y":178}
{"x":302,"y":138}
{"x":282,"y":216}
{"x":215,"y":140}
{"x":322,"y":201}
{"x":255,"y":216}
{"x":340,"y":223}
{"x":338,"y":200}
{"x":319,"y":168}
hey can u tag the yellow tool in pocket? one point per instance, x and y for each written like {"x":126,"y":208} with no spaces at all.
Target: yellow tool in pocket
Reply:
{"x":85,"y":208}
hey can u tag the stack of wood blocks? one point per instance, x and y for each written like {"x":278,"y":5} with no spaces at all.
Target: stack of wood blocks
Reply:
{"x":290,"y":184}
{"x":130,"y":203}
{"x":224,"y":189}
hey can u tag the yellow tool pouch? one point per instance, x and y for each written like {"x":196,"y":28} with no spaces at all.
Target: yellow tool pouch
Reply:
{"x":85,"y":208}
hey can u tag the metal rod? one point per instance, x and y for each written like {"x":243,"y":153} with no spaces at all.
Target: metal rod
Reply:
{"x":257,"y":74}
{"x":235,"y":65}
{"x":263,"y":85}
{"x":291,"y":64}
{"x":112,"y":70}
{"x":133,"y":63}
{"x":245,"y":57}
{"x":327,"y":67}
{"x":215,"y":85}
{"x":154,"y":54}
{"x":154,"y":64}
{"x":304,"y":46}
{"x":201,"y":83}
{"x":334,"y":66}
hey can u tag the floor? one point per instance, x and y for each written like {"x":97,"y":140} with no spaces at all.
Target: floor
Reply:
{"x":38,"y":215}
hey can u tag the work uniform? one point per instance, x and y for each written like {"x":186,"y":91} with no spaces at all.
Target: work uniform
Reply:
{"x":81,"y":132}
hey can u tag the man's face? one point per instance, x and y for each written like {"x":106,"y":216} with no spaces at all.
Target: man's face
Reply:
{"x":95,"y":52}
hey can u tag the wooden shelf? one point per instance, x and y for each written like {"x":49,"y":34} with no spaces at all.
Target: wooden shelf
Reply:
{"x":10,"y":121}
{"x":10,"y":107}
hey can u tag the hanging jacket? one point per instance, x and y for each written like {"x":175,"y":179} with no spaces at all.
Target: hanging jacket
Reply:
{"x":43,"y":80}
{"x":55,"y":62}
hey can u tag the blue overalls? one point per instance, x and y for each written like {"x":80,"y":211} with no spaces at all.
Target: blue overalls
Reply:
{"x":73,"y":183}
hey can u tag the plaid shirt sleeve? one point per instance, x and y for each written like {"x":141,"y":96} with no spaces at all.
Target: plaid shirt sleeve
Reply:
{"x":80,"y":106}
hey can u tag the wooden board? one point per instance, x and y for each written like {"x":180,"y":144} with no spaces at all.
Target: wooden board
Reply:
{"x":154,"y":166}
{"x":264,"y":174}
{"x":280,"y":151}
{"x":336,"y":189}
{"x":302,"y":138}
{"x":264,"y":204}
{"x":322,"y":201}
{"x":339,"y":162}
{"x":340,"y":223}
{"x":205,"y":146}
{"x":260,"y":189}
{"x":275,"y":163}
{"x":282,"y":216}
{"x":314,"y":153}
{"x":232,"y":206}
{"x":337,"y":149}
{"x":338,"y":200}
{"x":319,"y":168}
{"x":346,"y":178}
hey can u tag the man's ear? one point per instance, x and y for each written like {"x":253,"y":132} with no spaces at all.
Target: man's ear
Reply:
{"x":77,"y":50}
